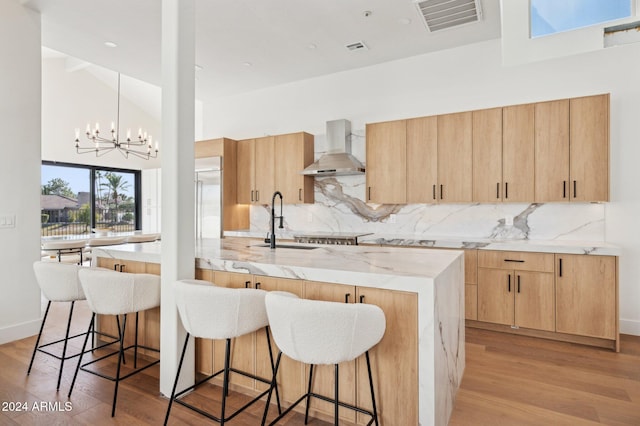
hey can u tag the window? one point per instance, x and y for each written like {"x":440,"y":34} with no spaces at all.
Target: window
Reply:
{"x":75,"y":199}
{"x":553,"y":16}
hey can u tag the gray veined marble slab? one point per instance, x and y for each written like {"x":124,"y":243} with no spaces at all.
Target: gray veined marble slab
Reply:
{"x":436,"y":276}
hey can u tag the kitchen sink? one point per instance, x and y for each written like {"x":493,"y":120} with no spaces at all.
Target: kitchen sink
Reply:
{"x":287,"y":246}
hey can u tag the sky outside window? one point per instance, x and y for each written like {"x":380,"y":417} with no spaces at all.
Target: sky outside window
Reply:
{"x":553,"y":16}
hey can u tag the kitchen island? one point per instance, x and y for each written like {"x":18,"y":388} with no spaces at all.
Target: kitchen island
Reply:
{"x":433,"y":281}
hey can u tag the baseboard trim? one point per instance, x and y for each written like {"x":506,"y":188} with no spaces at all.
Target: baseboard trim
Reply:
{"x":630,"y":327}
{"x":19,"y":331}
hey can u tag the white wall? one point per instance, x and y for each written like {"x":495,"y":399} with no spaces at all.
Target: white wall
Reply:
{"x":70,"y":100}
{"x":467,"y":78}
{"x":19,"y":170}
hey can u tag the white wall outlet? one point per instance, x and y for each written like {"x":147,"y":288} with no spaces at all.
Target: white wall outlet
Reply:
{"x":392,"y":218}
{"x":508,"y":220}
{"x":309,"y":217}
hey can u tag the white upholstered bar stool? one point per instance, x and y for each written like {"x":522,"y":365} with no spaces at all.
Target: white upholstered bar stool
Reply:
{"x":319,"y":332}
{"x":219,"y":313}
{"x":118,"y":293}
{"x":59,"y":283}
{"x":142,"y":238}
{"x":61,"y":248}
{"x":99,"y":242}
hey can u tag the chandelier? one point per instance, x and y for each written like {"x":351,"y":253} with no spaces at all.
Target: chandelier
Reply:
{"x":141,"y":147}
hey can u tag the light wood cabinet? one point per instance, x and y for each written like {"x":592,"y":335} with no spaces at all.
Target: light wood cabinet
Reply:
{"x":518,"y":153}
{"x":587,"y":295}
{"x":487,"y":155}
{"x":455,"y":163}
{"x":589,"y":148}
{"x":471,"y":284}
{"x":517,"y":289}
{"x":386,"y":162}
{"x":572,"y":149}
{"x":422,"y":159}
{"x":323,"y":375}
{"x":394,"y":360}
{"x":294,"y":152}
{"x":273,"y":163}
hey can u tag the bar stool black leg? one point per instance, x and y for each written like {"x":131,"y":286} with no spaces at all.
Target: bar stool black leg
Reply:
{"x":335,"y":410}
{"x":225,"y":380}
{"x":175,"y":383}
{"x":373,"y":398}
{"x":274,"y":384}
{"x":86,"y":338}
{"x":120,"y":357}
{"x":64,"y":347}
{"x":306,"y":411}
{"x":135,"y":348}
{"x":35,"y":349}
{"x":120,"y":333}
{"x":266,"y":329}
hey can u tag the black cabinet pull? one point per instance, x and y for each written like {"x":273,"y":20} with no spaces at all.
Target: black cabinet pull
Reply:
{"x":115,"y":267}
{"x":434,"y":191}
{"x":506,"y":190}
{"x":246,"y":284}
{"x":257,"y":285}
{"x":122,"y":267}
{"x":574,"y":189}
{"x":362,"y":299}
{"x":299,"y":194}
{"x":560,"y":267}
{"x":509,"y":283}
{"x":564,"y":189}
{"x":514,"y":260}
{"x":257,"y":195}
{"x":441,"y":191}
{"x":498,"y":190}
{"x":252,"y":195}
{"x":369,"y":194}
{"x":346,"y":297}
{"x":518,"y":283}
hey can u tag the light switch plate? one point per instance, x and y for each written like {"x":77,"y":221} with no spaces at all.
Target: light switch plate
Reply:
{"x":7,"y":221}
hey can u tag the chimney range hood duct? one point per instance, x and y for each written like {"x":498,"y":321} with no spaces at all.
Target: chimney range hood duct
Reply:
{"x":338,"y":160}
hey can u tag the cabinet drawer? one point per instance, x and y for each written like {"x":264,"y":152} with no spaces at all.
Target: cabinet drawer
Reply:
{"x":516,"y":260}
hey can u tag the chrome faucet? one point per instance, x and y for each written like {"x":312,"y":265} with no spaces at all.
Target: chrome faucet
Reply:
{"x":272,"y":239}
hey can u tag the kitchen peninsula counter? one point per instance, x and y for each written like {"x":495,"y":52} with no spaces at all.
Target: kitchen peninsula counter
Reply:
{"x":435,"y":277}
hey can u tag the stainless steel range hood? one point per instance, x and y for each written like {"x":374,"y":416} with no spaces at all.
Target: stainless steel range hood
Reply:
{"x":338,"y":160}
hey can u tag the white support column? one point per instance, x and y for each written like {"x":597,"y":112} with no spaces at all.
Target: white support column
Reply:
{"x":178,"y":237}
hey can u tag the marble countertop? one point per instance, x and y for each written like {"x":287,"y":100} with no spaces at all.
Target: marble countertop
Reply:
{"x":382,"y":267}
{"x":542,"y":246}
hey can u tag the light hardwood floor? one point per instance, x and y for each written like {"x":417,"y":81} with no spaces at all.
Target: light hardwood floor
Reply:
{"x":509,"y":380}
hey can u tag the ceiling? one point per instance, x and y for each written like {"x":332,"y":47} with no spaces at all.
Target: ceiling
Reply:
{"x":245,"y":45}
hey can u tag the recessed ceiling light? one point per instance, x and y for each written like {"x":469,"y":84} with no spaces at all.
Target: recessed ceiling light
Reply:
{"x":367,"y":13}
{"x":404,"y":21}
{"x":312,"y":46}
{"x":247,"y":64}
{"x":110,"y":44}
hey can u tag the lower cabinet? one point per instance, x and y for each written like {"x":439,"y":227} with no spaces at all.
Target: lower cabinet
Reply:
{"x":516,"y":289}
{"x":471,"y":284}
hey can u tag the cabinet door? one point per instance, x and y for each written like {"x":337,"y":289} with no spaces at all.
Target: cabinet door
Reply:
{"x":587,"y":295}
{"x":394,"y":360}
{"x":552,"y":151}
{"x":291,"y":381}
{"x":245,"y":172}
{"x":455,"y":157}
{"x":518,"y":153}
{"x":535,"y":300}
{"x":471,"y":284}
{"x":487,"y":155}
{"x":264,"y":170}
{"x":422,"y":160}
{"x":243,"y":347}
{"x":323,"y":375}
{"x":294,"y":152}
{"x":589,"y":156}
{"x":386,"y":162}
{"x":495,"y":296}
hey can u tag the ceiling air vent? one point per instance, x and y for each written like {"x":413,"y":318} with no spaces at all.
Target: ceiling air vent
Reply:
{"x":441,"y":14}
{"x":358,"y":45}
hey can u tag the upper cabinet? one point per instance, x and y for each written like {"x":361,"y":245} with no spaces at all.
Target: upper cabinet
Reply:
{"x":455,"y":158}
{"x":572,"y":149}
{"x":387,"y":162}
{"x":487,"y":155}
{"x":518,"y":153}
{"x":422,"y":159}
{"x":294,"y":152}
{"x":273,"y":163}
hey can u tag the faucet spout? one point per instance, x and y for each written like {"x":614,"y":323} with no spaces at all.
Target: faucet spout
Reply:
{"x":272,"y":239}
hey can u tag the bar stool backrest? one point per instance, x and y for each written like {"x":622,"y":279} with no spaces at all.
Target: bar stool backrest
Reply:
{"x":214,"y":312}
{"x":321,"y":332}
{"x":59,"y":281}
{"x":114,"y":293}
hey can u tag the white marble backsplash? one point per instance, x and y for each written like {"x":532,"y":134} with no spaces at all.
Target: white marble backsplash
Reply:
{"x":340,"y":207}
